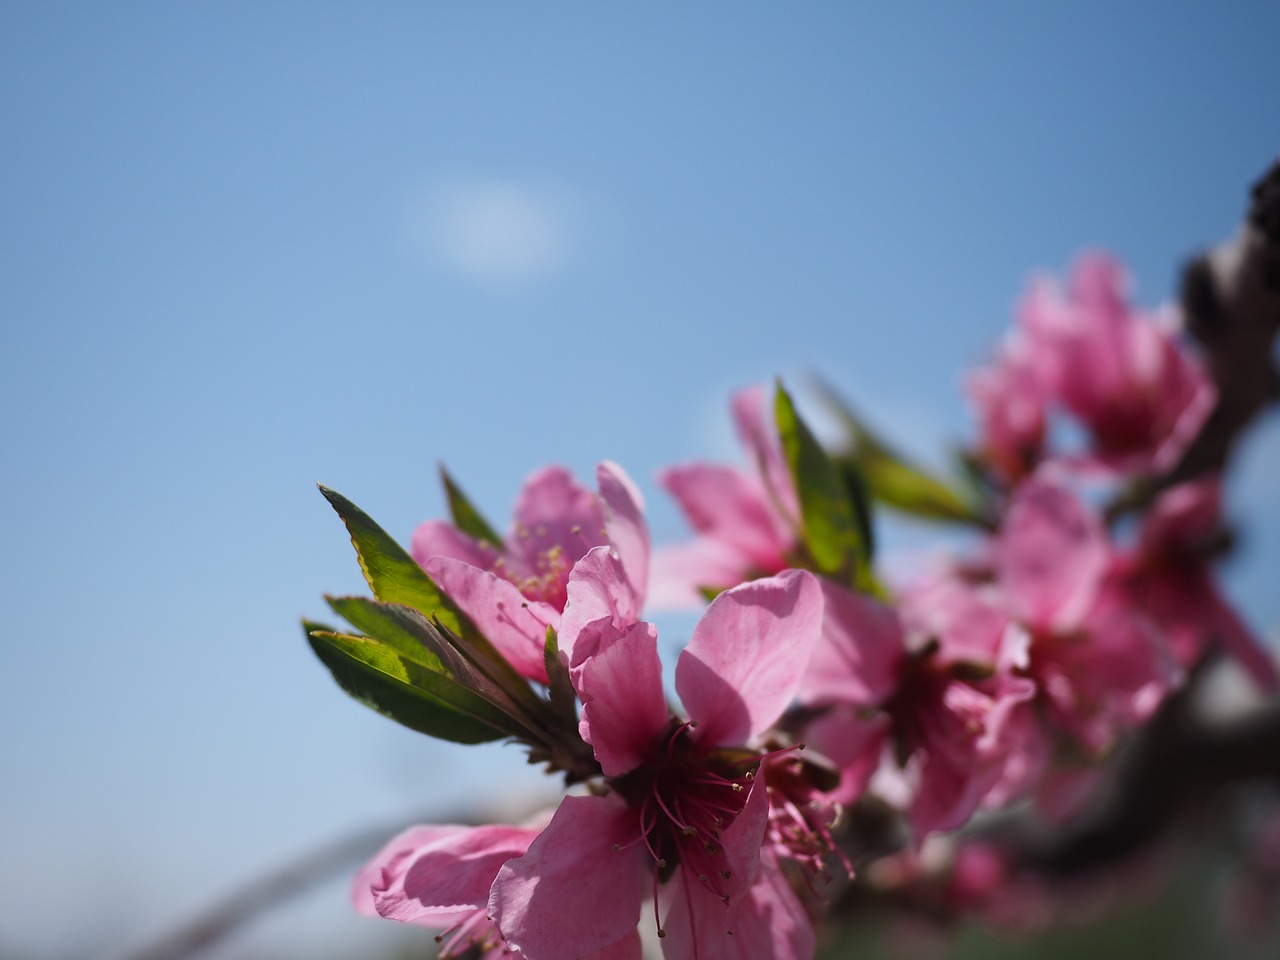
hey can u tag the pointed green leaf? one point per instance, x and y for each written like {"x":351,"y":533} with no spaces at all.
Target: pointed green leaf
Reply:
{"x":392,"y":574}
{"x":379,"y":677}
{"x":465,"y":516}
{"x":892,"y":478}
{"x":829,"y":528}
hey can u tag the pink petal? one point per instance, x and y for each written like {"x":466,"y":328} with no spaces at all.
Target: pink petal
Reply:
{"x":624,"y":524}
{"x":598,"y":588}
{"x":858,"y":657}
{"x":741,"y":840}
{"x":748,"y":654}
{"x":447,"y":874}
{"x":1050,"y":556}
{"x":578,"y":890}
{"x":1181,"y":518}
{"x":1108,"y":681}
{"x":727,"y":505}
{"x":389,"y":861}
{"x":619,"y":681}
{"x":769,"y":921}
{"x":853,"y":742}
{"x":680,"y":571}
{"x":435,"y":538}
{"x":961,"y":617}
{"x":515,"y":626}
{"x":753,"y":415}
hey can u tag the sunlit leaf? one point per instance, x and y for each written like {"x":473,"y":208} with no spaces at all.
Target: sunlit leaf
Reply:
{"x":393,"y":575}
{"x":829,"y":528}
{"x":377,"y":675}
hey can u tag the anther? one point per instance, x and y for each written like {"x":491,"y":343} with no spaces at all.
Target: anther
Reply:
{"x":689,"y":831}
{"x":617,"y":847}
{"x":661,"y":933}
{"x":737,"y":788}
{"x":725,"y":874}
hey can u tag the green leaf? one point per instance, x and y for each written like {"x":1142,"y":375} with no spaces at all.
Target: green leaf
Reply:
{"x":829,"y":528}
{"x":392,"y":574}
{"x":891,"y":478}
{"x":472,"y":663}
{"x":465,"y":516}
{"x":560,"y":688}
{"x":386,"y":623}
{"x":413,"y":695}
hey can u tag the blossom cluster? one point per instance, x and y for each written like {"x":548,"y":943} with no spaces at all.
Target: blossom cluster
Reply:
{"x":1009,"y":673}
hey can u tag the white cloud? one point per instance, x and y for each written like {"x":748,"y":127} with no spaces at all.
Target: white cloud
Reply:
{"x":496,"y":232}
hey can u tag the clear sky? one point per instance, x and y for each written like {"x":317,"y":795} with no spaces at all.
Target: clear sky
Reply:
{"x":246,"y":247}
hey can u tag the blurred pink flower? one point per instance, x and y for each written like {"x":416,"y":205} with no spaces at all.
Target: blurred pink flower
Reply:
{"x":1009,"y":401}
{"x":1123,"y":374}
{"x":935,"y":678}
{"x":1168,"y":575}
{"x":1102,"y":666}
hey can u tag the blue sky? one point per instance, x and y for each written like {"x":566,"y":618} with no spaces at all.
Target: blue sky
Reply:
{"x":245,"y":248}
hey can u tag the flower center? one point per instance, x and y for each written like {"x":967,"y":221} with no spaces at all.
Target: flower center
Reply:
{"x":684,"y":799}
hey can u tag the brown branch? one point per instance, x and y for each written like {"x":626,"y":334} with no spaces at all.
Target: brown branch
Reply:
{"x":1231,"y":305}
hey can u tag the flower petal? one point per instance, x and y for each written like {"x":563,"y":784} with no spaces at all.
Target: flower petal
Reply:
{"x":619,"y":682}
{"x":624,"y":524}
{"x":599,"y":588}
{"x":388,"y":862}
{"x":436,"y":538}
{"x":853,"y":743}
{"x":748,"y":654}
{"x":515,"y":626}
{"x":1050,"y":556}
{"x":769,"y":921}
{"x":680,"y":572}
{"x":730,"y":506}
{"x":434,"y":875}
{"x":578,"y":889}
{"x":861,"y":650}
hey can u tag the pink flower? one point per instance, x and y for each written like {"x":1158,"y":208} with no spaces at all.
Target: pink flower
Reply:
{"x":514,"y":593}
{"x":440,"y":876}
{"x":935,"y":676}
{"x":687,"y":819}
{"x":1168,"y":575}
{"x":1101,"y":665}
{"x":745,"y":520}
{"x":1009,"y":401}
{"x":1121,"y":373}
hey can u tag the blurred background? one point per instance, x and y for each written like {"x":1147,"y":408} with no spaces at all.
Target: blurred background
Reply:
{"x":249,"y":247}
